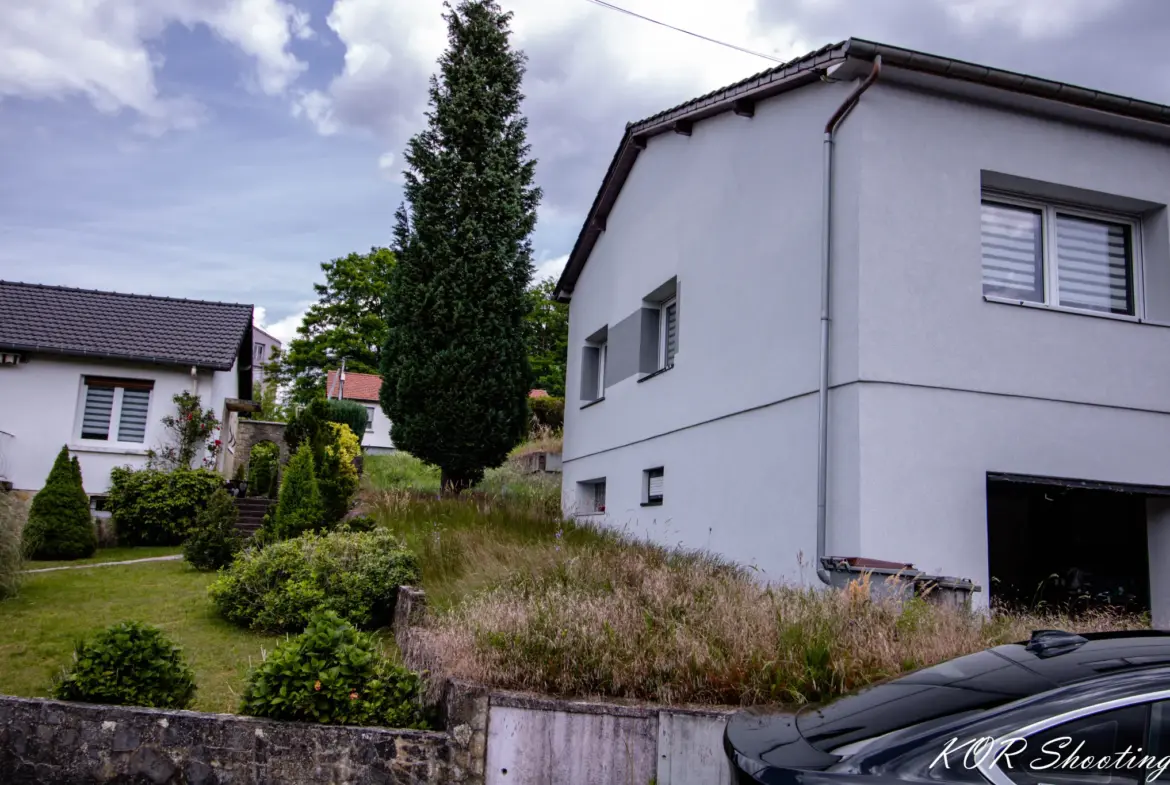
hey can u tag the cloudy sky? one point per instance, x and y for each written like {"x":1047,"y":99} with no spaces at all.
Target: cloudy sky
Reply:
{"x":222,"y":149}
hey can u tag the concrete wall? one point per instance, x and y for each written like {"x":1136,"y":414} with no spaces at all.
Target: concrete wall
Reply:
{"x":733,"y":212}
{"x":40,"y":402}
{"x":56,"y":743}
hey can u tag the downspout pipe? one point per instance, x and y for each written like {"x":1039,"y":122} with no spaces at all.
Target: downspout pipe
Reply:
{"x":826,"y":266}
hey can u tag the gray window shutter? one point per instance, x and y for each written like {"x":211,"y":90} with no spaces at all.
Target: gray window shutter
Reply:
{"x":132,"y":422}
{"x":1013,"y":252}
{"x":95,"y":422}
{"x":648,"y":354}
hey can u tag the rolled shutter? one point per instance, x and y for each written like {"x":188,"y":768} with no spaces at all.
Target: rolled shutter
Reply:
{"x":1093,"y":264}
{"x":132,"y":422}
{"x":654,"y":490}
{"x":1013,"y":252}
{"x":99,"y":404}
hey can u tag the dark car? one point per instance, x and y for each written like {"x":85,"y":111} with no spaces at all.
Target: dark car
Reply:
{"x":1060,"y":709}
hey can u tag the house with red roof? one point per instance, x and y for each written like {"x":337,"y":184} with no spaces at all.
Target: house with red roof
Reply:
{"x":364,"y":388}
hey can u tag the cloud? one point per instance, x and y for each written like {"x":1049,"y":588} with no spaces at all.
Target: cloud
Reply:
{"x":104,"y":50}
{"x":550,"y":268}
{"x":387,"y":168}
{"x":284,"y":329}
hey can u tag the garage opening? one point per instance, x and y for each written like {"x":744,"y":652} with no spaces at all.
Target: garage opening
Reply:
{"x":1071,"y":544}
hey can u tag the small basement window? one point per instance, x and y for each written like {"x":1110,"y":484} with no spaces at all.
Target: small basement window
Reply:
{"x":591,"y":496}
{"x":652,"y":483}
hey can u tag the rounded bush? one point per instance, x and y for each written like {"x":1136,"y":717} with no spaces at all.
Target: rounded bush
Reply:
{"x":214,"y":540}
{"x":278,"y":587}
{"x":334,"y":674}
{"x":153,"y":507}
{"x":60,"y":525}
{"x":350,"y":413}
{"x":128,"y":664}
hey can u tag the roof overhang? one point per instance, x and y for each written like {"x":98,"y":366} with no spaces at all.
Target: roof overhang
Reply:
{"x":131,"y":358}
{"x":849,"y":60}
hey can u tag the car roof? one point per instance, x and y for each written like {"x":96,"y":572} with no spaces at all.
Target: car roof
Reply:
{"x":980,"y":681}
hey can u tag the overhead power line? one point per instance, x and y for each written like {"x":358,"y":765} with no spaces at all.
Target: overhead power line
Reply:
{"x":628,"y":12}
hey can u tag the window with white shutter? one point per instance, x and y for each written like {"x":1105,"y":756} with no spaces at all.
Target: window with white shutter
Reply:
{"x":654,"y":479}
{"x":115,"y":410}
{"x":1060,"y":257}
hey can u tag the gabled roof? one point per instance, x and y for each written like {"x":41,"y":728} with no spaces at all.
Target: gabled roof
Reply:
{"x":742,"y":96}
{"x":135,"y":327}
{"x":358,"y":386}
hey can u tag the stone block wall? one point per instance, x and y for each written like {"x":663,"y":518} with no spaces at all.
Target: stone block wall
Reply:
{"x":53,"y":743}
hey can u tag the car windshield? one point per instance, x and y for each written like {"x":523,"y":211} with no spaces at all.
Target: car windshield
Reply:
{"x":972,"y":683}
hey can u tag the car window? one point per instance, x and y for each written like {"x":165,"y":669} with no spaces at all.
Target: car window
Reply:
{"x":1100,"y":749}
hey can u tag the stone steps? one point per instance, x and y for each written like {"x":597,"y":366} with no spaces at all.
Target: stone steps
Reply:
{"x":251,"y":514}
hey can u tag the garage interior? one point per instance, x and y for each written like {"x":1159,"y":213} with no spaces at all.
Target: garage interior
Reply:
{"x":1071,"y":544}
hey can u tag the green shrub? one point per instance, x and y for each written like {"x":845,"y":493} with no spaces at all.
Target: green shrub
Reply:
{"x":12,"y":518}
{"x":278,"y":587}
{"x":264,"y":470}
{"x":60,"y":525}
{"x":214,"y":540}
{"x":548,"y":412}
{"x":357,"y":523}
{"x":307,"y":426}
{"x":331,"y":673}
{"x":128,"y":664}
{"x":349,"y":413}
{"x":299,"y":507}
{"x":153,"y":507}
{"x":337,"y":476}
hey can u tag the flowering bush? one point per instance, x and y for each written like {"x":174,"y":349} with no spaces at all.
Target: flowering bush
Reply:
{"x":191,"y":429}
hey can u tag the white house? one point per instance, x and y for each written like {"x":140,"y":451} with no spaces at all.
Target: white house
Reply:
{"x":263,"y":345}
{"x":97,"y":371}
{"x":988,"y":255}
{"x":364,"y":388}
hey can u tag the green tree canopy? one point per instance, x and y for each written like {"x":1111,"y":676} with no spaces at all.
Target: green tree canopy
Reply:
{"x":347,"y":321}
{"x":455,"y":366}
{"x":548,"y":338}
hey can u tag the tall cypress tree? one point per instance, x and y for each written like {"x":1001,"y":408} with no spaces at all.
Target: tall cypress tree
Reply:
{"x":455,"y":369}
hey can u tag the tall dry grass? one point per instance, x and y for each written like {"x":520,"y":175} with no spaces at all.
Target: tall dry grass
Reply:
{"x":13,"y":515}
{"x":633,"y":621}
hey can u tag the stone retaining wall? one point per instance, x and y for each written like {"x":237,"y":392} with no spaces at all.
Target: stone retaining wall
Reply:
{"x":53,"y":743}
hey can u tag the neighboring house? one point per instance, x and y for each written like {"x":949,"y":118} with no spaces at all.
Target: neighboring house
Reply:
{"x":97,"y":371}
{"x":999,"y":395}
{"x":364,"y":388}
{"x":262,"y":346}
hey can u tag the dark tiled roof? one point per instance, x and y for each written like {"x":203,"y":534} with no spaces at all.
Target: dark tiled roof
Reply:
{"x":805,"y":70}
{"x":82,"y":322}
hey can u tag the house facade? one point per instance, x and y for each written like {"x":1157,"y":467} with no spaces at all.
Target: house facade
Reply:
{"x":263,"y":346}
{"x":97,"y":371}
{"x":364,"y":388}
{"x":998,"y":265}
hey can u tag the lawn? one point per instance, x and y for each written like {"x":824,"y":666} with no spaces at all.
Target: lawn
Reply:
{"x":109,"y":555}
{"x":55,"y":608}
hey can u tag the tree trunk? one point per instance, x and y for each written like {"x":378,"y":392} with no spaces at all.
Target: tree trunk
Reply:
{"x":452,"y":485}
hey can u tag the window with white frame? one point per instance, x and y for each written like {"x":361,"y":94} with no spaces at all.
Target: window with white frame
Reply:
{"x":258,"y":351}
{"x":653,"y":480}
{"x":668,"y":333}
{"x":602,"y":356}
{"x":1035,"y":252}
{"x":591,"y":496}
{"x":369,"y":419}
{"x":114,"y":410}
